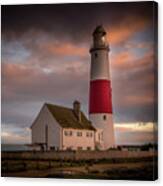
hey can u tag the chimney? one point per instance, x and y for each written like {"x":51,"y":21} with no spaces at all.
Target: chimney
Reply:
{"x":76,"y":108}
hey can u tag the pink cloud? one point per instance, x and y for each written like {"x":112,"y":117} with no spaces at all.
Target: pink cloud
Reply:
{"x":64,"y":49}
{"x":127,"y":60}
{"x":125,"y":29}
{"x":134,"y":133}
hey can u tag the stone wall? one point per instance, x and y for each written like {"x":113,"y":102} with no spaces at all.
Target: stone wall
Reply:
{"x":76,"y":155}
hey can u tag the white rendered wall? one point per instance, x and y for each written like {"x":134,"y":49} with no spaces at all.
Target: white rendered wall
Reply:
{"x":100,"y":65}
{"x":107,"y":127}
{"x":75,"y":141}
{"x":99,"y":142}
{"x":54,"y":130}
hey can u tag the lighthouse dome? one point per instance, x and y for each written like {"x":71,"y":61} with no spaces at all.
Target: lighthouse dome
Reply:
{"x":99,"y":39}
{"x":99,"y":30}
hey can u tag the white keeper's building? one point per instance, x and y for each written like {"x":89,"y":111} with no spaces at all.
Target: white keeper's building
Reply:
{"x":61,"y":128}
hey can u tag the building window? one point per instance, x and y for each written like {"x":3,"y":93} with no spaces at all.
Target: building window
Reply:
{"x":104,"y":117}
{"x":79,"y":133}
{"x":89,"y":134}
{"x":68,"y":133}
{"x":96,"y":55}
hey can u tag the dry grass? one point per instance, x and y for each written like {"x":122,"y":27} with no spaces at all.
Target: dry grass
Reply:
{"x":129,"y":169}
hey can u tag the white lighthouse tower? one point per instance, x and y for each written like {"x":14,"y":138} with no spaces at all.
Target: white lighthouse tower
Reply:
{"x":100,"y":100}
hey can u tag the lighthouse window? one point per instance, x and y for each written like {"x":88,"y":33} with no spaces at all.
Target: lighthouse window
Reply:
{"x":104,"y":117}
{"x":96,"y":55}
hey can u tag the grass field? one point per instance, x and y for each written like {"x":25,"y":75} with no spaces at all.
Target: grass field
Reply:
{"x":116,"y":169}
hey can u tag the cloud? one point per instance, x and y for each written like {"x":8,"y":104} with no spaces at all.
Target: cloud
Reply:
{"x":28,"y":88}
{"x":126,"y":29}
{"x":64,"y":21}
{"x":11,"y":138}
{"x":135,"y":138}
{"x":66,"y":49}
{"x":135,"y":127}
{"x":127,"y":60}
{"x":133,"y":81}
{"x":13,"y":134}
{"x":135,"y":133}
{"x":139,"y":45}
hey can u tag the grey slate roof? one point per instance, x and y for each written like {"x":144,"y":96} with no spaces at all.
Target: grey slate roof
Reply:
{"x":67,"y":119}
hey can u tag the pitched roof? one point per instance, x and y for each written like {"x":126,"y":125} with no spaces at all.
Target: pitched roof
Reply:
{"x":67,"y":119}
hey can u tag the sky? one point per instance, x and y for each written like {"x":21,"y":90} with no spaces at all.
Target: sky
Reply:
{"x":45,"y":58}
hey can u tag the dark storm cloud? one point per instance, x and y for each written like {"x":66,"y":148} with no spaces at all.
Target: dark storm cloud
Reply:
{"x":69,"y":21}
{"x":133,"y":91}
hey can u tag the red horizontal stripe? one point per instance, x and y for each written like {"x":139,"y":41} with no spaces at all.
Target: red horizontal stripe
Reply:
{"x":100,"y":100}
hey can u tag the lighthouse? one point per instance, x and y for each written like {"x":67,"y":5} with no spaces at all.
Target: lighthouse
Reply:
{"x":100,"y":98}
